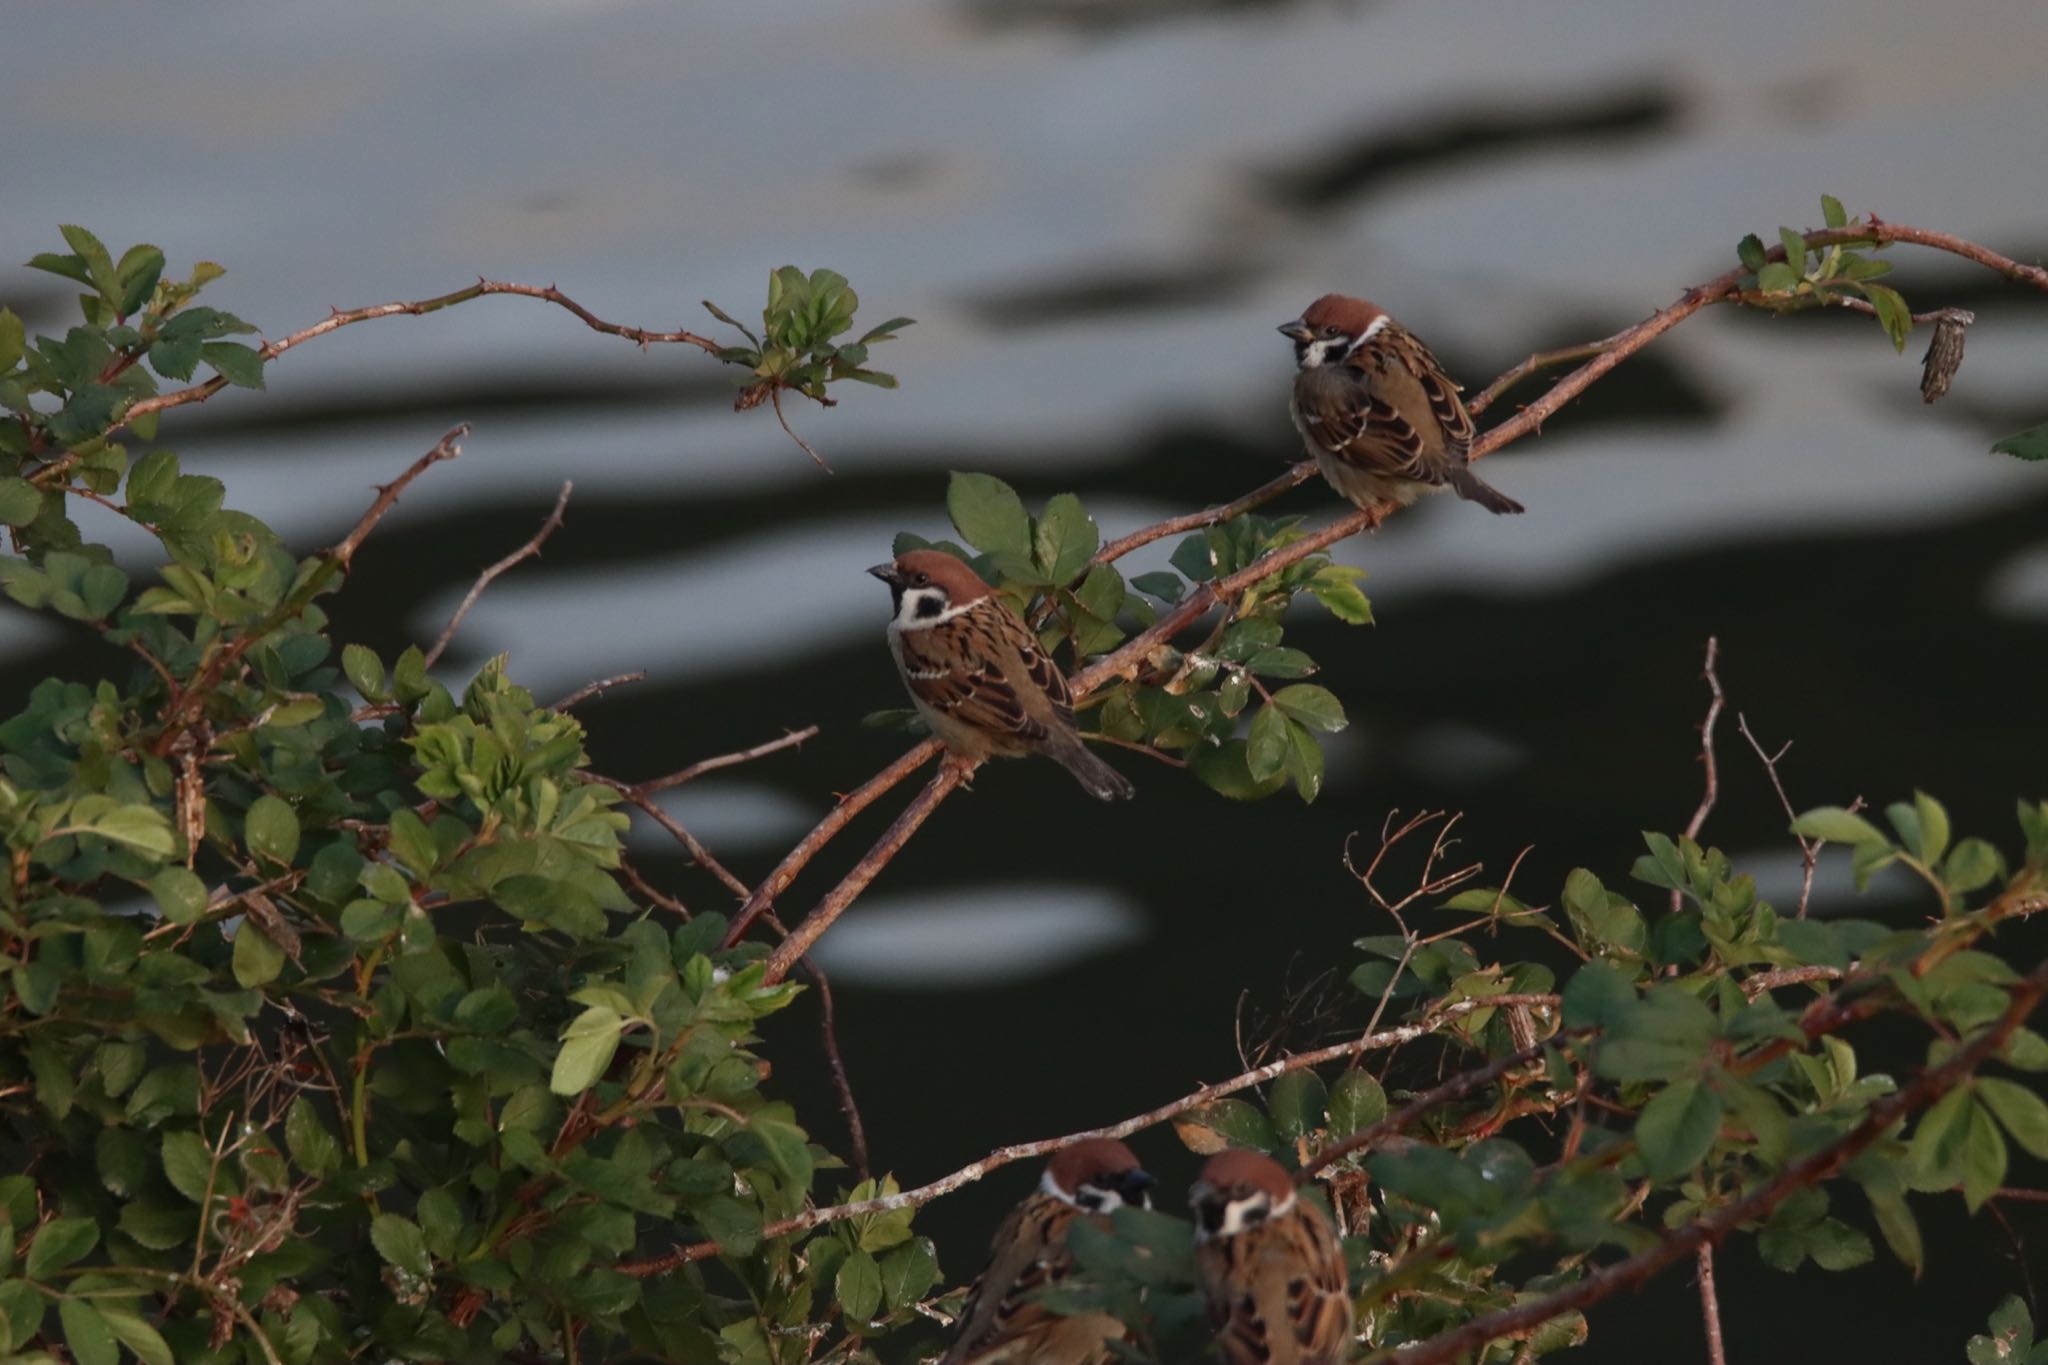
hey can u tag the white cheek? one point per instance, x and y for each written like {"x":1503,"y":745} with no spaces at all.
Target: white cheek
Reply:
{"x":1315,"y":355}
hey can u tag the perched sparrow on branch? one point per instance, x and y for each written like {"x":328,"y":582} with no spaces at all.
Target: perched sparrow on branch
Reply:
{"x":1270,"y":1265}
{"x":977,"y":674}
{"x":1002,"y":1322}
{"x":1377,"y":411}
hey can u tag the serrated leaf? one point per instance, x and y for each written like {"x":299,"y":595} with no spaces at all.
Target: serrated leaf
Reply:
{"x":1315,"y":707}
{"x":1297,"y":1104}
{"x":587,"y":1048}
{"x":1831,"y":211}
{"x":2021,"y":1110}
{"x":1356,"y":1100}
{"x":2031,"y":444}
{"x":1891,"y":311}
{"x":21,"y":502}
{"x":859,"y":1286}
{"x":271,"y":830}
{"x":1265,"y":751}
{"x":1677,"y":1128}
{"x":1750,"y":251}
{"x":257,"y":960}
{"x":59,"y":1243}
{"x":399,"y":1241}
{"x":138,"y":1336}
{"x":988,"y":514}
{"x":188,"y":1164}
{"x":87,"y":1334}
{"x":238,"y":364}
{"x":1837,"y":825}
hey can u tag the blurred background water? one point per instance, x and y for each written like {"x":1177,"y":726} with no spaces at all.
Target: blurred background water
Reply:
{"x":1097,"y":212}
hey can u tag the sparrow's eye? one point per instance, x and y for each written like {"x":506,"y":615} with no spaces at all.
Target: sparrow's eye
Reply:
{"x":920,"y":579}
{"x":1333,"y":330}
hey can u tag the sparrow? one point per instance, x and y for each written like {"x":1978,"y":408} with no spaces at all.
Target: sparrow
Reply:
{"x":1272,"y":1269}
{"x":977,"y":673}
{"x":1376,"y":410}
{"x":1002,"y":1321}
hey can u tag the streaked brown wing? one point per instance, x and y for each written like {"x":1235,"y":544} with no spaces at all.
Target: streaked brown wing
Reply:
{"x":984,"y":669}
{"x":1340,"y":413}
{"x":1439,"y":393}
{"x":1030,"y":1252}
{"x":1278,"y":1294}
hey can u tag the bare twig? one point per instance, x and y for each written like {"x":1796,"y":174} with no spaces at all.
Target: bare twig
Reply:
{"x":949,"y":776}
{"x":271,"y":350}
{"x":791,"y":740}
{"x":1127,"y":660}
{"x":1541,"y":360}
{"x":447,"y":448}
{"x":1712,"y":792}
{"x":1025,"y":1151}
{"x":1214,"y":516}
{"x":1710,"y":1305}
{"x":775,"y":401}
{"x":1809,"y":849}
{"x":530,"y":550}
{"x":592,"y":689}
{"x":1457,"y":1087}
{"x":1930,"y":1085}
{"x":836,"y":819}
{"x":698,"y":853}
{"x":856,"y":1131}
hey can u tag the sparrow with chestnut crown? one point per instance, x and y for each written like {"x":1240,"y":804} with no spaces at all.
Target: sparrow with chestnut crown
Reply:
{"x":1003,"y":1320}
{"x":1270,"y":1265}
{"x":1382,"y":419}
{"x":977,"y":674}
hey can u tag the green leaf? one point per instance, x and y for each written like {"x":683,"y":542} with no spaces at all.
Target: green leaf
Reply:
{"x":1750,"y":251}
{"x":1065,"y":540}
{"x":1304,"y":761}
{"x":1831,"y":211}
{"x":257,"y":960}
{"x":179,"y":893}
{"x":1891,"y":311}
{"x":1226,"y":1123}
{"x":2022,"y":1110}
{"x":1167,"y":587}
{"x":1777,"y":278}
{"x":1356,"y":1100}
{"x":1984,"y":1158}
{"x":21,"y":502}
{"x":1265,"y":750}
{"x":988,"y":514}
{"x":859,"y":1286}
{"x":138,"y":270}
{"x":400,"y":1242}
{"x":1837,"y":826}
{"x":59,"y":1243}
{"x":271,"y":830}
{"x":2031,"y":444}
{"x":138,"y":1336}
{"x":587,"y":1048}
{"x":1972,"y":864}
{"x":1794,"y":243}
{"x":1677,"y":1129}
{"x":1224,"y":768}
{"x":1934,"y":828}
{"x":1297,"y":1104}
{"x":13,"y":340}
{"x":1315,"y":707}
{"x":238,"y":364}
{"x":1901,"y":1230}
{"x":307,"y":1138}
{"x":365,"y":671}
{"x":188,"y":1164}
{"x":87,"y":1334}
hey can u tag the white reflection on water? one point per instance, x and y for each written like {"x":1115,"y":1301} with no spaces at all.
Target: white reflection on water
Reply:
{"x":954,"y":940}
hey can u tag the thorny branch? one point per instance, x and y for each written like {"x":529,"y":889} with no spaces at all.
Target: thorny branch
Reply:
{"x":1025,"y":1151}
{"x":1931,"y":1085}
{"x":271,"y":350}
{"x":530,"y":550}
{"x":1809,"y":849}
{"x":1712,"y":790}
{"x":1126,"y":661}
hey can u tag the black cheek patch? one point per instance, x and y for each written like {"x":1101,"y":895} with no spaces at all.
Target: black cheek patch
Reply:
{"x":929,"y":606}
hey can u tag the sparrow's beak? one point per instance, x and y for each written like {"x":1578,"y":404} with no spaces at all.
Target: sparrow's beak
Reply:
{"x":885,"y":572}
{"x":1132,"y":1185}
{"x":1296,"y":330}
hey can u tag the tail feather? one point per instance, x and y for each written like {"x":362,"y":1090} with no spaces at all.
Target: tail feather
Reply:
{"x":1103,"y":782}
{"x":1471,"y":487}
